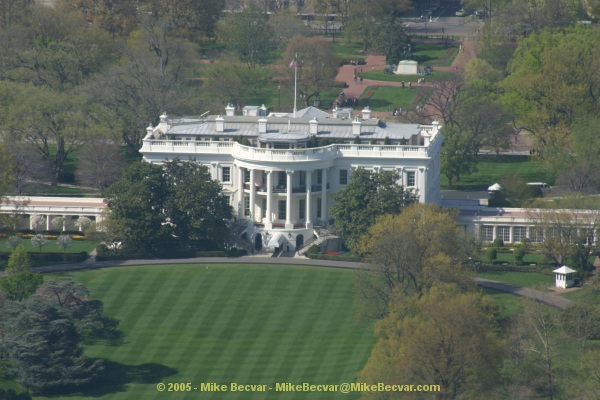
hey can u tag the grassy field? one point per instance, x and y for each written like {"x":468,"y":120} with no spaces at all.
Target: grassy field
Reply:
{"x":528,"y":279}
{"x":509,"y":258}
{"x":381,"y":98}
{"x":249,"y":324}
{"x":77,"y":246}
{"x":436,"y":54}
{"x":380,"y":75}
{"x":492,"y":168}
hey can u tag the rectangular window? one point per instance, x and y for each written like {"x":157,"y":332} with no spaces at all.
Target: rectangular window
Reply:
{"x":411,"y":179}
{"x":343,"y":176}
{"x":535,"y":235}
{"x":302,"y":209}
{"x":246,"y":175}
{"x":281,"y":209}
{"x":226,"y":174}
{"x":318,"y":208}
{"x":264,"y":208}
{"x":587,"y":235}
{"x":519,"y":232}
{"x":320,"y":177}
{"x":282,"y":179}
{"x":302,"y":178}
{"x":487,"y":233}
{"x":246,"y":206}
{"x":504,"y":233}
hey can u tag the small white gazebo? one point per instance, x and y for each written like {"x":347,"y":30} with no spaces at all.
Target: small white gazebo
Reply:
{"x":564,"y":277}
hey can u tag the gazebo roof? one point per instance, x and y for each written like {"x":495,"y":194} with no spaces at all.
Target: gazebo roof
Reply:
{"x":564,"y":270}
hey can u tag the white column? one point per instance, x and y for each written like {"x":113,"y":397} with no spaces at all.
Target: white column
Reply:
{"x":252,"y":195}
{"x":324,"y":194}
{"x":288,"y":206}
{"x":269,"y":223}
{"x":494,"y":232}
{"x":240,"y":205}
{"x":421,"y":184}
{"x":214,"y":173}
{"x":308,"y":195}
{"x":511,"y":234}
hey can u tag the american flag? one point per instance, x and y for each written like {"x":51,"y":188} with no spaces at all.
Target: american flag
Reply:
{"x":294,"y":62}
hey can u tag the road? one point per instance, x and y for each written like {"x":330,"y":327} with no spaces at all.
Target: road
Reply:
{"x":443,"y":22}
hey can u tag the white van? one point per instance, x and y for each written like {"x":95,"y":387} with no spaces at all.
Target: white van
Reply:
{"x":541,"y":186}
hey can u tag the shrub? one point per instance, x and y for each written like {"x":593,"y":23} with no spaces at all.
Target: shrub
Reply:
{"x":314,"y":249}
{"x":519,"y":254}
{"x":498,"y":243}
{"x":491,"y":254}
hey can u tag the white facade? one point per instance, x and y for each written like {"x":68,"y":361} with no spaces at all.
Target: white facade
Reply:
{"x":292,"y":182}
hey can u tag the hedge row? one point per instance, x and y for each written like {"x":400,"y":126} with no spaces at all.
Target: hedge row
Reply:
{"x":103,"y":255}
{"x":333,"y":257}
{"x":506,"y":268}
{"x":70,"y":257}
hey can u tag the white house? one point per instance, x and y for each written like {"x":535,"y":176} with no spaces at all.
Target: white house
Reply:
{"x":277,"y":180}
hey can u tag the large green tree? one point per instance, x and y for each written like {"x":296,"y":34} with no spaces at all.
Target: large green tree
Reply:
{"x":249,"y":36}
{"x":444,"y":337}
{"x":368,"y":195}
{"x":55,"y":124}
{"x":553,"y":81}
{"x":195,"y":204}
{"x":409,"y":252}
{"x":42,"y":337}
{"x":19,"y":282}
{"x":156,"y":209}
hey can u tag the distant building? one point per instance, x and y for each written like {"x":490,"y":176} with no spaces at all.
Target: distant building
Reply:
{"x":280,"y":172}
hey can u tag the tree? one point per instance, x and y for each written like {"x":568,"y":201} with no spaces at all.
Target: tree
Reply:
{"x":226,"y":82}
{"x":553,"y":81}
{"x":408,"y":252}
{"x":285,"y":27}
{"x":39,"y":241}
{"x":514,"y":192}
{"x":137,"y":202}
{"x":19,"y":282}
{"x":445,"y":336}
{"x":155,"y":209}
{"x":196,"y":206}
{"x":248,"y":35}
{"x":117,"y":17}
{"x":64,"y":241}
{"x":56,"y":124}
{"x":367,"y":196}
{"x":100,"y":164}
{"x":58,"y":223}
{"x":581,"y":322}
{"x":390,"y":38}
{"x":473,"y":118}
{"x":316,"y":63}
{"x":37,"y":221}
{"x":13,"y":241}
{"x":43,"y":336}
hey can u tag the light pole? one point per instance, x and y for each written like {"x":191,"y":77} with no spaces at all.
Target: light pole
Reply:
{"x":279,"y":96}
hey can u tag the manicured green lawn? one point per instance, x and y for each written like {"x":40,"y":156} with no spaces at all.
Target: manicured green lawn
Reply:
{"x":380,"y":98}
{"x":77,"y":246}
{"x":435,"y":54}
{"x":528,"y":279}
{"x":492,"y":168}
{"x":583,"y":294}
{"x":509,"y":303}
{"x":509,"y":257}
{"x":348,"y":50}
{"x":380,"y":75}
{"x":250,"y":324}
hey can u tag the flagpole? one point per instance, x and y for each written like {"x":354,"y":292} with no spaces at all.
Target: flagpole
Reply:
{"x":295,"y":82}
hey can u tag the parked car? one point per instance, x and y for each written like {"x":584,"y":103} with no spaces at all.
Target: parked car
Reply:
{"x":461,"y":13}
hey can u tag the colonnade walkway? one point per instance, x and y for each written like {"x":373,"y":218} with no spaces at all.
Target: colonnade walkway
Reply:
{"x":537,"y":295}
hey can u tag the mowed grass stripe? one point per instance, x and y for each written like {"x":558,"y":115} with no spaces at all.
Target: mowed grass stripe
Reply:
{"x":252,"y":325}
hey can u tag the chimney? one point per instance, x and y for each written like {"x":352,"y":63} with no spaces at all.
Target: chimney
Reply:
{"x":366,"y":113}
{"x":436,"y":128}
{"x":356,"y":124}
{"x":230,"y":110}
{"x":262,"y":111}
{"x":220,"y":124}
{"x":149,"y":132}
{"x":314,"y":126}
{"x":262,"y":125}
{"x":163,"y":126}
{"x":335,"y":110}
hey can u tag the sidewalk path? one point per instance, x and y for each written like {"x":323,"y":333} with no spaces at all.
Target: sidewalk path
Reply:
{"x":356,"y":88}
{"x":537,"y":295}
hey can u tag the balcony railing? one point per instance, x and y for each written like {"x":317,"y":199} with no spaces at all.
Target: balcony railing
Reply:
{"x":261,"y":154}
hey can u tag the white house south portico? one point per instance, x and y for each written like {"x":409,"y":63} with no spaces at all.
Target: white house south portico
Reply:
{"x":280,"y":172}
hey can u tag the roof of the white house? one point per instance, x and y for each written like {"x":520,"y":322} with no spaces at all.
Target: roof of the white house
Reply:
{"x":312,"y":112}
{"x":335,"y":128}
{"x":564,"y":270}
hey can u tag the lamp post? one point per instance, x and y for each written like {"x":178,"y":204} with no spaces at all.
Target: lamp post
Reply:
{"x":279,"y":96}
